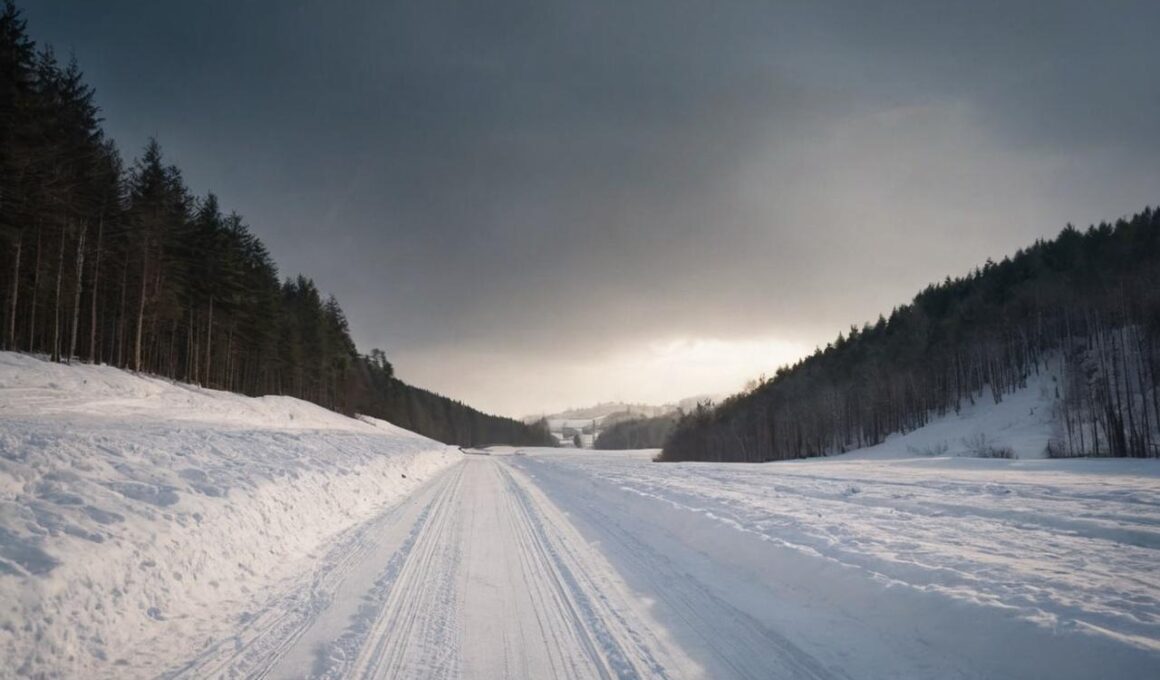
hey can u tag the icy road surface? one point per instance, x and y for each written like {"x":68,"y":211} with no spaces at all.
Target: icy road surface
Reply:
{"x":558,"y":565}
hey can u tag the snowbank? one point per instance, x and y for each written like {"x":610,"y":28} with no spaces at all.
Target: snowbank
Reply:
{"x":134,"y":510}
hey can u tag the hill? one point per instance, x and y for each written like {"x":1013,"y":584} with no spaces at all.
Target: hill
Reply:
{"x":1088,"y":300}
{"x":637,"y":433}
{"x":600,"y":411}
{"x":618,"y":424}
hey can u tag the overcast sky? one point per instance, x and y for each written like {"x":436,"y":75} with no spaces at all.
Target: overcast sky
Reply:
{"x":542,"y":204}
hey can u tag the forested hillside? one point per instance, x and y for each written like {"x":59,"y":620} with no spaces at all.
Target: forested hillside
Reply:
{"x":1087,"y":301}
{"x":637,"y":433}
{"x":117,"y":263}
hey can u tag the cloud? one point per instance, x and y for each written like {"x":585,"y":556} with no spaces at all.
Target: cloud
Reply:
{"x":539,"y":194}
{"x":650,"y":372}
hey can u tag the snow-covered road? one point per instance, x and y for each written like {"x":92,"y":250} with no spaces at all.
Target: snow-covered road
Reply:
{"x":556,"y":565}
{"x":476,"y":575}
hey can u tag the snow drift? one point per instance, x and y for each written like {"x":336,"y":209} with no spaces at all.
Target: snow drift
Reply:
{"x":140,"y":520}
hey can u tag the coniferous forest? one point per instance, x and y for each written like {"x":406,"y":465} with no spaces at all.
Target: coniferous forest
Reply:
{"x":638,"y":433}
{"x":1085,"y":305}
{"x":116,"y":262}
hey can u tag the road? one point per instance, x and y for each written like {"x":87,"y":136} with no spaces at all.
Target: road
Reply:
{"x":542,"y":566}
{"x":476,"y":576}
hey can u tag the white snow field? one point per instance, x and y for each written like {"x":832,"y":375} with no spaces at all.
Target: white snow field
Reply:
{"x":299,"y":550}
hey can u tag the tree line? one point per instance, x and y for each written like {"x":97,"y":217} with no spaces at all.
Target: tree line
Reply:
{"x":118,"y":263}
{"x":382,"y":395}
{"x":1085,"y":305}
{"x":637,"y":433}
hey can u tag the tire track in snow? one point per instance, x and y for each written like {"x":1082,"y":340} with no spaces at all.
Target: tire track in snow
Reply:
{"x":609,"y":642}
{"x":480,"y":575}
{"x":414,"y":635}
{"x":494,"y":583}
{"x":266,"y":637}
{"x":738,"y":643}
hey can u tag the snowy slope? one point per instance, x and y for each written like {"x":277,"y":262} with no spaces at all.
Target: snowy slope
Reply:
{"x":142,"y":520}
{"x":1023,"y":422}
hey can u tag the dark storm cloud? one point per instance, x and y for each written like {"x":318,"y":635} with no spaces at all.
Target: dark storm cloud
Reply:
{"x":509,"y":183}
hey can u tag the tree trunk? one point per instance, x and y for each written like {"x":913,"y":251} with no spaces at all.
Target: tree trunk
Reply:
{"x":209,"y":343}
{"x":72,"y":345}
{"x":56,"y":299}
{"x":229,"y":382}
{"x":190,"y":349}
{"x":121,"y":316}
{"x":141,"y":311}
{"x":96,"y":280}
{"x":35,"y":291}
{"x":15,"y":296}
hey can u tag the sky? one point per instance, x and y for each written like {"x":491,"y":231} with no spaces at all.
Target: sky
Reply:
{"x":536,"y":205}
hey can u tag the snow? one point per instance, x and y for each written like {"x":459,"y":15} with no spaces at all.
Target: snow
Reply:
{"x":33,"y":388}
{"x":475,"y":575}
{"x":1023,"y":421}
{"x":1052,"y":557}
{"x":907,"y":559}
{"x":154,"y":529}
{"x":141,"y":520}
